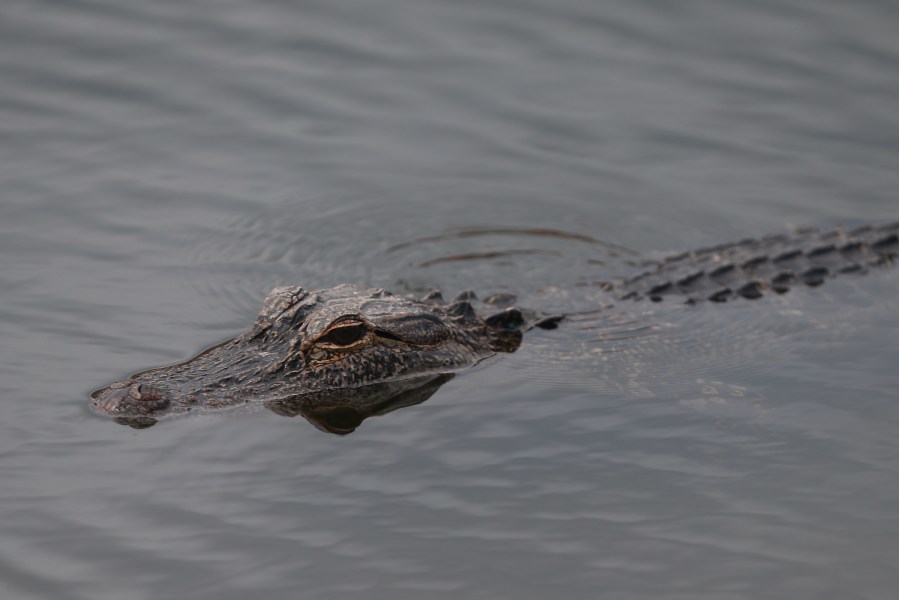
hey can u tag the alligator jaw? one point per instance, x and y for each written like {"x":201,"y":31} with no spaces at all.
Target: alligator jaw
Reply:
{"x":209,"y":379}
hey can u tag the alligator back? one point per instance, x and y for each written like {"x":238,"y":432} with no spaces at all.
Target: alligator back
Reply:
{"x":752,"y":267}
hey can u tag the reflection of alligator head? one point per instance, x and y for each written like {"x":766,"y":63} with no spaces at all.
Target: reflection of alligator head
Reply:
{"x":307,"y":346}
{"x":342,"y":411}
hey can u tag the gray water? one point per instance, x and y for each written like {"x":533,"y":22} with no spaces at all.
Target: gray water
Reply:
{"x":164,"y":164}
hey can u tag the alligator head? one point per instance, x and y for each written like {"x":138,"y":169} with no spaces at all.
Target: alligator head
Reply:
{"x":307,"y":348}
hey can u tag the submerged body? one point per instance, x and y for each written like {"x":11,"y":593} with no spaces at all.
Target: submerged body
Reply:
{"x":352,"y":352}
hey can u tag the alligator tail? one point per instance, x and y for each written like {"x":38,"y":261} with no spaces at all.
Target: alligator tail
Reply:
{"x":753,"y":267}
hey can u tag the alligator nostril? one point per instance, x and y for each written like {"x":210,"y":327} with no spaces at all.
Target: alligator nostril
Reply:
{"x":110,"y":399}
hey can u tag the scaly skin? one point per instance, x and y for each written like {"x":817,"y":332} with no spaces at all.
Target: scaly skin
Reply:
{"x":306,"y":343}
{"x":353,"y":352}
{"x":750,"y":268}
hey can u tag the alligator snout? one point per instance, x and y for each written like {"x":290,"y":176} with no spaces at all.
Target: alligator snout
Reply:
{"x":130,"y":398}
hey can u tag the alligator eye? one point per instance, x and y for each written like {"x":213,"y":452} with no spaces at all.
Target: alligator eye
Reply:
{"x":344,"y":335}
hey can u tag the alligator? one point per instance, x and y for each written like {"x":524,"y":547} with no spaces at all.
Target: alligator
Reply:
{"x":339,"y":355}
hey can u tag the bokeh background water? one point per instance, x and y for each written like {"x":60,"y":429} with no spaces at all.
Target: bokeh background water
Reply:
{"x":164,"y":164}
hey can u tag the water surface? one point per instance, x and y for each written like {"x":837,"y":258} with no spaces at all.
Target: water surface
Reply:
{"x":163,"y":165}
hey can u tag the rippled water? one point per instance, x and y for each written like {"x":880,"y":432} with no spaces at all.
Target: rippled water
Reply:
{"x":163,"y":165}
